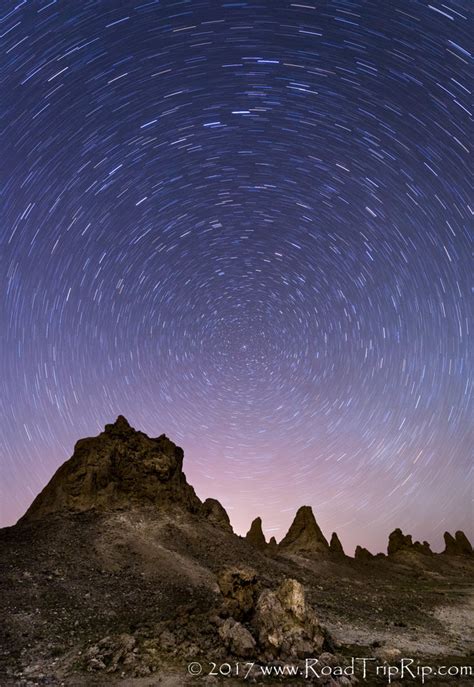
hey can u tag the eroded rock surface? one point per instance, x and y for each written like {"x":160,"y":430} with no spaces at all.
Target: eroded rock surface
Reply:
{"x":215,"y":512}
{"x":285,"y":627}
{"x":268,"y":623}
{"x":120,"y":468}
{"x":237,"y":638}
{"x":240,"y":588}
{"x":304,"y":536}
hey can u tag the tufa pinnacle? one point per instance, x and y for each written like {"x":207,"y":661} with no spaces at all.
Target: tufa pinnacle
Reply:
{"x":304,"y":535}
{"x":459,"y":545}
{"x":217,"y":514}
{"x":255,"y":534}
{"x":335,"y":546}
{"x":120,"y":468}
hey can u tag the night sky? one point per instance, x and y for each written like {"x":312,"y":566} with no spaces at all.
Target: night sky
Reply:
{"x":246,"y":225}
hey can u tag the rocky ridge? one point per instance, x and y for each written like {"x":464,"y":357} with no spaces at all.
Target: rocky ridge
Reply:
{"x":123,"y":468}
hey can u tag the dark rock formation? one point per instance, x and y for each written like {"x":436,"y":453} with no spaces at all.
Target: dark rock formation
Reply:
{"x":255,"y":534}
{"x":272,"y":548}
{"x":120,"y":468}
{"x":240,"y":589}
{"x":399,"y":542}
{"x":450,"y":548}
{"x":423,"y":548}
{"x":362,"y":554}
{"x":304,"y":535}
{"x":459,"y":545}
{"x":335,"y":546}
{"x":216,"y":513}
{"x":463,"y":544}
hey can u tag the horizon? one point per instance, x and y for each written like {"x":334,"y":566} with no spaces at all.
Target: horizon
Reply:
{"x":277,"y":532}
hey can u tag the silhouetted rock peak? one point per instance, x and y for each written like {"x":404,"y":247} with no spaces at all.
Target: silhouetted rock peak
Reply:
{"x":459,"y":545}
{"x":424,"y":547}
{"x":255,"y":534}
{"x":121,"y":427}
{"x":362,"y":554}
{"x":304,"y":535}
{"x":216,"y":513}
{"x":399,"y":542}
{"x":120,"y":468}
{"x":335,"y":546}
{"x":272,"y":548}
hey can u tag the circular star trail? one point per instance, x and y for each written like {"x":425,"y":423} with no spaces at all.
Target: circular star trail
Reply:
{"x":246,"y":225}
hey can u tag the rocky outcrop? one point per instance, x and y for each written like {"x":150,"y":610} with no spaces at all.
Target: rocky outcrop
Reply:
{"x":399,"y":542}
{"x":120,"y":468}
{"x":335,"y":545}
{"x":240,"y":588}
{"x":459,"y":545}
{"x":255,"y":535}
{"x":304,"y":536}
{"x":216,"y":513}
{"x":284,"y":625}
{"x":423,"y":548}
{"x":362,"y":554}
{"x":266,"y":623}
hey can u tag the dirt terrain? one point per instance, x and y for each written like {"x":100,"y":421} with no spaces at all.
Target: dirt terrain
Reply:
{"x":133,"y":595}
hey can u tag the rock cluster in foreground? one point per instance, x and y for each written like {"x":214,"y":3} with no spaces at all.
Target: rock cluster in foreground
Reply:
{"x":266,"y":623}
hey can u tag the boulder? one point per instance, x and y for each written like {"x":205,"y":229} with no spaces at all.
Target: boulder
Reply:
{"x":388,"y":654}
{"x":304,"y":536}
{"x":237,"y":638}
{"x":285,"y":627}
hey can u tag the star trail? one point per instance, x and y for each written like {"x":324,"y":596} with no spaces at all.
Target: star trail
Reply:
{"x":246,"y":225}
